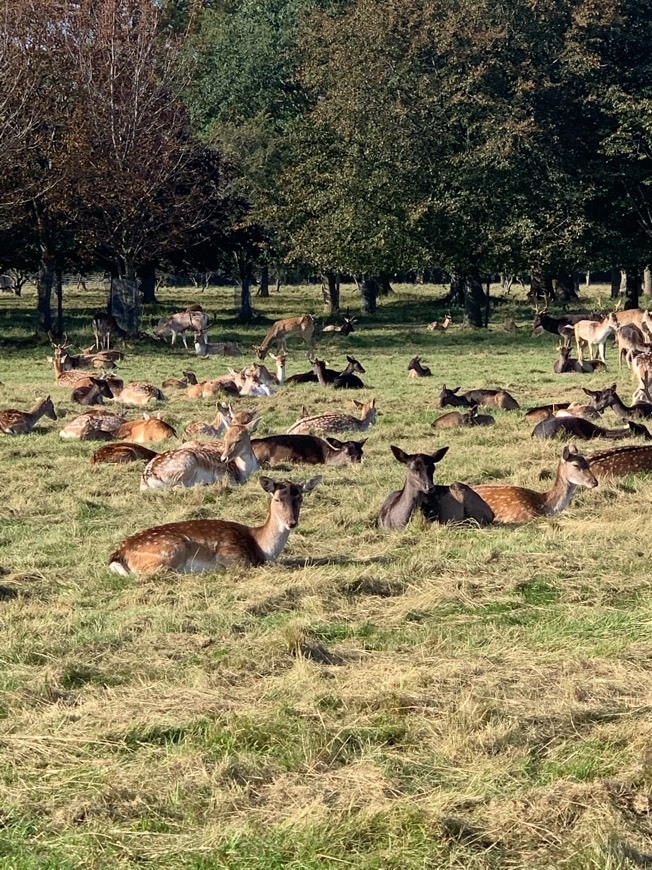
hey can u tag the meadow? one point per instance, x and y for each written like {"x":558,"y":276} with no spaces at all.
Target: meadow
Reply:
{"x":436,"y":697}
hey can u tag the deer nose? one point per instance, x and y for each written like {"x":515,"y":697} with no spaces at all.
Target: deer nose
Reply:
{"x":292,"y":524}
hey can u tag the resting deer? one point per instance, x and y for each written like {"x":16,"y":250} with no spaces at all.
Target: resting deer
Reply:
{"x":444,"y":504}
{"x":454,"y":419}
{"x":328,"y":376}
{"x":416,"y":370}
{"x":440,"y":325}
{"x":194,"y":318}
{"x":189,"y":378}
{"x":68,"y":377}
{"x":197,"y":464}
{"x":216,"y":428}
{"x":135,"y":393}
{"x":488,"y":398}
{"x":324,"y":423}
{"x":585,"y":430}
{"x":94,"y":394}
{"x":589,"y":333}
{"x":619,"y":461}
{"x":14,"y":422}
{"x":208,"y":545}
{"x":147,"y":429}
{"x":121,"y":453}
{"x":516,"y":504}
{"x":105,"y":326}
{"x":344,"y":328}
{"x":205,"y":348}
{"x":302,"y":327}
{"x":565,"y":364}
{"x":542,"y":412}
{"x":306,"y":450}
{"x":93,"y":425}
{"x":609,"y":398}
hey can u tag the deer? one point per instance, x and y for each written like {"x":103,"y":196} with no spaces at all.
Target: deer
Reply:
{"x":416,"y":370}
{"x":629,"y":340}
{"x":121,"y":453}
{"x":105,"y":326}
{"x":302,"y":327}
{"x":67,"y":377}
{"x":94,"y":394}
{"x":609,"y":398}
{"x":619,"y":461}
{"x":93,"y":425}
{"x":590,"y":333}
{"x":487,"y":397}
{"x":194,"y":318}
{"x":136,"y":393}
{"x":189,"y":378}
{"x":15,"y":422}
{"x":578,"y":427}
{"x":641,"y":366}
{"x":197,"y":464}
{"x":216,"y":428}
{"x":86,"y":359}
{"x":454,"y":419}
{"x":306,"y":450}
{"x":322,"y":424}
{"x":147,"y":429}
{"x":516,"y":504}
{"x":542,"y":412}
{"x":204,"y":348}
{"x":208,"y":545}
{"x":328,"y":375}
{"x":443,"y":504}
{"x":344,"y":328}
{"x":440,"y":325}
{"x":565,"y":364}
{"x":558,"y":325}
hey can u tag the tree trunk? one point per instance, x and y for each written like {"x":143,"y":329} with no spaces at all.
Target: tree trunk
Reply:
{"x":632,"y":288}
{"x":245,"y":311}
{"x":647,"y":281}
{"x":331,"y":293}
{"x":456,"y":293}
{"x":564,"y":287}
{"x":384,"y":287}
{"x":45,"y":284}
{"x":263,"y":290}
{"x":475,"y":301}
{"x":615,"y":283}
{"x":540,"y":285}
{"x":147,"y":275}
{"x":125,"y":300}
{"x":368,"y":294}
{"x":58,"y":284}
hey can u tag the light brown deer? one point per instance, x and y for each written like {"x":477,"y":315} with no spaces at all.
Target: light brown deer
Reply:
{"x":324,"y":423}
{"x":136,"y":393}
{"x":104,"y":327}
{"x":440,"y":325}
{"x":216,"y":428}
{"x":208,"y":545}
{"x":189,"y":378}
{"x":93,"y":424}
{"x":205,"y":348}
{"x":590,"y":333}
{"x":68,"y":377}
{"x":147,"y":429}
{"x":619,"y":461}
{"x":516,"y":504}
{"x":14,"y":422}
{"x":454,"y":419}
{"x":121,"y":453}
{"x":302,"y":327}
{"x":194,"y":318}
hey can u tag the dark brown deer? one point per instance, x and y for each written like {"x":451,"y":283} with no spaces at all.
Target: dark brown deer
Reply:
{"x":416,"y":370}
{"x":487,"y":397}
{"x":566,"y":365}
{"x":609,"y":398}
{"x":469,"y":418}
{"x":585,"y":430}
{"x":306,"y":450}
{"x":94,"y":394}
{"x":330,"y":376}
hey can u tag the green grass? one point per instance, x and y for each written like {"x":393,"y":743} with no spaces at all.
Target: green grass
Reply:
{"x":428,"y":698}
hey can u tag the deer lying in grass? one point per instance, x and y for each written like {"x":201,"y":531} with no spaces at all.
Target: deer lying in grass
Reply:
{"x":346,"y":380}
{"x":585,"y":430}
{"x":94,"y":394}
{"x":609,"y":398}
{"x":589,"y":333}
{"x":204,"y":348}
{"x":443,"y":504}
{"x":565,"y":364}
{"x":454,"y":419}
{"x":542,"y":412}
{"x":416,"y":370}
{"x":15,"y":422}
{"x":516,"y":504}
{"x":619,"y":461}
{"x":93,"y":425}
{"x":488,"y":398}
{"x":329,"y":376}
{"x":136,"y":393}
{"x":306,"y":450}
{"x":344,"y":328}
{"x":197,"y":464}
{"x":216,"y":428}
{"x":189,"y":378}
{"x":147,"y":429}
{"x":67,"y":377}
{"x":122,"y":453}
{"x":279,"y":332}
{"x":440,"y":325}
{"x":208,"y":545}
{"x":325,"y":423}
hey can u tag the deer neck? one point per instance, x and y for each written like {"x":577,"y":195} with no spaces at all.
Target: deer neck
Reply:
{"x":35,"y":413}
{"x":407,"y":500}
{"x":620,"y":409}
{"x":280,"y":373}
{"x":246,"y":462}
{"x":272,"y":536}
{"x":560,"y":494}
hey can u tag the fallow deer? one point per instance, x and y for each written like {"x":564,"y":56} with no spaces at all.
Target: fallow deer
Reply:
{"x":440,"y":325}
{"x":301,"y":327}
{"x":488,"y":397}
{"x":306,"y":450}
{"x":89,"y":426}
{"x":189,"y":378}
{"x":565,"y":364}
{"x":194,"y":318}
{"x":122,"y":453}
{"x":416,"y":370}
{"x":68,"y":377}
{"x":629,"y":340}
{"x":344,"y":328}
{"x":325,"y":423}
{"x":147,"y":429}
{"x":619,"y":461}
{"x":609,"y":398}
{"x":105,"y":326}
{"x":454,"y":419}
{"x":208,"y":545}
{"x":328,"y":375}
{"x":516,"y":504}
{"x":136,"y":393}
{"x":15,"y":422}
{"x":590,"y":333}
{"x":204,"y":348}
{"x":559,"y":325}
{"x":216,"y":428}
{"x":94,"y":394}
{"x":585,"y":430}
{"x":542,"y":412}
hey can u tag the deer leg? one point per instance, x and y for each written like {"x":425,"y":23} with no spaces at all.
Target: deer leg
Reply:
{"x":185,"y":343}
{"x":578,"y":341}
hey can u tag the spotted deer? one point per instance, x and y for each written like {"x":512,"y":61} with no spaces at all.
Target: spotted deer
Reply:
{"x":147,"y":429}
{"x":14,"y":422}
{"x":516,"y":504}
{"x":216,"y":428}
{"x":324,"y":423}
{"x":619,"y":461}
{"x":93,"y":425}
{"x":136,"y":393}
{"x":68,"y":377}
{"x":117,"y":454}
{"x":301,"y":327}
{"x":208,"y":545}
{"x":194,"y":318}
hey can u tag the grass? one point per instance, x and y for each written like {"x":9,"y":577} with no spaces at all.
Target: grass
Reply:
{"x":428,"y":698}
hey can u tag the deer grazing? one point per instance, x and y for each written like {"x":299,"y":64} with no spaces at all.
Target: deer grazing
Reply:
{"x":443,"y":504}
{"x":416,"y":370}
{"x":585,"y":430}
{"x":589,"y":333}
{"x":301,"y":327}
{"x":454,"y":419}
{"x":488,"y":398}
{"x":440,"y":325}
{"x":516,"y":504}
{"x":93,"y":425}
{"x":14,"y":422}
{"x":306,"y":450}
{"x":194,"y":318}
{"x":120,"y":453}
{"x":204,"y":348}
{"x":208,"y":545}
{"x":147,"y":429}
{"x":104,"y":327}
{"x":565,"y":364}
{"x":322,"y":424}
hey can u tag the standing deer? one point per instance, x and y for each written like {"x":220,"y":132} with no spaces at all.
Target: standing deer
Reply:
{"x":516,"y":504}
{"x":194,"y":318}
{"x":303,"y":327}
{"x":14,"y":422}
{"x":105,"y":326}
{"x":207,"y":545}
{"x":589,"y":333}
{"x":325,"y":423}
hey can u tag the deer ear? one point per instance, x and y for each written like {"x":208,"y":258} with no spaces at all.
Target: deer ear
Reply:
{"x":588,"y":392}
{"x":309,"y":485}
{"x":613,"y":388}
{"x":456,"y":390}
{"x":350,"y":358}
{"x":335,"y":443}
{"x":358,"y":404}
{"x":568,"y":451}
{"x":268,"y":484}
{"x":399,"y":454}
{"x":439,"y":454}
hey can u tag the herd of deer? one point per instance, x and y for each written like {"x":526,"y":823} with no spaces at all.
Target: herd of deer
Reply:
{"x":230,"y":455}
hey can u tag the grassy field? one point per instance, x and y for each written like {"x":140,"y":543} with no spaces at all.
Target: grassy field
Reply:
{"x":429,"y":698}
